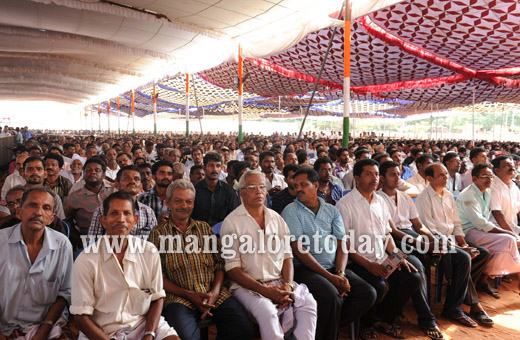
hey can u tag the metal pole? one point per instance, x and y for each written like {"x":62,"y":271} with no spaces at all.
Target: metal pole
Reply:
{"x":133,"y":113}
{"x":154,"y":111}
{"x":118,"y":118}
{"x":494,"y":121}
{"x":187,"y":105}
{"x":431,"y":121}
{"x":99,"y":115}
{"x":108,"y":115}
{"x":502,"y":122}
{"x":319,"y":75}
{"x":473,"y":118}
{"x":240,"y":92}
{"x":86,"y":119}
{"x":346,"y":73}
{"x":91,"y":119}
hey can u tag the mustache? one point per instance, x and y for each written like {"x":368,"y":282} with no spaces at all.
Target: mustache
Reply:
{"x":183,"y":210}
{"x":36,"y":218}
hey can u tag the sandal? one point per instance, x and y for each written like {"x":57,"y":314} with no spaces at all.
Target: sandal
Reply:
{"x":433,"y":333}
{"x":462,"y":319}
{"x":368,"y":333}
{"x":395,"y":331}
{"x":482,"y":318}
{"x":486,"y":288}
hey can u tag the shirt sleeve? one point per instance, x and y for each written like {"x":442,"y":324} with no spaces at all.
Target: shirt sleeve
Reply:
{"x":412,"y":208}
{"x":469,"y":208}
{"x":83,"y":298}
{"x":234,"y":200}
{"x":425,"y":211}
{"x":156,"y":285}
{"x":230,"y":245}
{"x":66,"y":284}
{"x":290,"y":216}
{"x":284,"y":233}
{"x":338,"y":228}
{"x":495,"y":203}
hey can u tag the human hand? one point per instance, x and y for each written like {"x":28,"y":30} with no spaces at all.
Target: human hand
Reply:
{"x":162,"y":218}
{"x":408,"y":266}
{"x":377,"y":269}
{"x":341,"y":283}
{"x":277,"y":295}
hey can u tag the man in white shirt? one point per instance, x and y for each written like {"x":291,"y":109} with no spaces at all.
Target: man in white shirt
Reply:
{"x":405,"y":223}
{"x":419,"y":179}
{"x":505,"y":196}
{"x":117,"y":282}
{"x":112,"y":166}
{"x":452,"y":163}
{"x":273,"y":181}
{"x":16,"y":178}
{"x":263,"y":280}
{"x":437,"y":211}
{"x":366,"y":218}
{"x":348,"y":178}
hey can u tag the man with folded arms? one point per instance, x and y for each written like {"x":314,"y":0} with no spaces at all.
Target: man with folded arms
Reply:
{"x":263,"y":280}
{"x":338,"y":291}
{"x":365,"y":213}
{"x":437,"y":211}
{"x":193,"y":280}
{"x":34,"y":272}
{"x":117,"y":282}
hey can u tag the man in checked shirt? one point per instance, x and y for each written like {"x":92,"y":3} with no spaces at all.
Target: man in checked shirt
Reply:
{"x":193,"y":279}
{"x":128,"y":179}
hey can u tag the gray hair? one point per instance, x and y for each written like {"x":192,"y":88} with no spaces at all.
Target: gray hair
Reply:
{"x":55,"y":196}
{"x":179,"y":168}
{"x":179,"y":184}
{"x":248,"y":173}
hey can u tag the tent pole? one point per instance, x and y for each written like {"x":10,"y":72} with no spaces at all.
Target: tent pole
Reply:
{"x":494,"y":121}
{"x":346,"y":73}
{"x":133,"y":113}
{"x":154,"y":111}
{"x":99,"y":116}
{"x":108,"y":116}
{"x":473,"y":118}
{"x":502,"y":122}
{"x":118,"y":118}
{"x":187,"y":105}
{"x":431,"y":121}
{"x":240,"y":92}
{"x":321,"y":70}
{"x":86,"y":119}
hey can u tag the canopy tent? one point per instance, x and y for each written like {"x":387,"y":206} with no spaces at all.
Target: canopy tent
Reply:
{"x":405,"y":55}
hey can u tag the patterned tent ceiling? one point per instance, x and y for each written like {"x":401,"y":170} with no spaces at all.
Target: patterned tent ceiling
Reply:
{"x":411,"y":57}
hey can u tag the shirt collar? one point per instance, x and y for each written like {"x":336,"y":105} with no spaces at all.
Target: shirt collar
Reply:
{"x":49,"y":242}
{"x":302,"y":206}
{"x":107,"y":253}
{"x":432,"y":192}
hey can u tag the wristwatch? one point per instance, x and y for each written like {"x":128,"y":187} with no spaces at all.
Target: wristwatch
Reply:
{"x":149,"y":333}
{"x":340,"y":272}
{"x":290,"y":284}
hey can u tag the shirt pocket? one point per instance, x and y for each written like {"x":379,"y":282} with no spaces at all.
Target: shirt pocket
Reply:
{"x":44,"y":292}
{"x":139,"y":301}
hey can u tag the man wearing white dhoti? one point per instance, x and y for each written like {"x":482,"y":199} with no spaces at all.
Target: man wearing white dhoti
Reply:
{"x":474,"y":212}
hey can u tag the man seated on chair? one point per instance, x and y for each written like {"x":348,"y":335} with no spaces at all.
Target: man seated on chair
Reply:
{"x":419,"y":179}
{"x":35,"y":272}
{"x":117,"y":282}
{"x":321,"y":265}
{"x":405,"y":229}
{"x":259,"y":261}
{"x":365,"y":216}
{"x":437,"y":211}
{"x":474,"y":210}
{"x":193,"y":281}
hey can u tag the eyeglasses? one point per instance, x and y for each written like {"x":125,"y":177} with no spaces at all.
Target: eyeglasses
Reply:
{"x":253,"y":188}
{"x":11,"y":204}
{"x":486,"y":177}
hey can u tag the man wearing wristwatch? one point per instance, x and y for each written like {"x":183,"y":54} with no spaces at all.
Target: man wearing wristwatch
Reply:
{"x":117,"y":281}
{"x":322,"y":268}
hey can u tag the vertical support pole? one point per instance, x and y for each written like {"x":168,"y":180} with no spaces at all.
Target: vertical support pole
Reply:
{"x":154,"y":111}
{"x":91,"y":119}
{"x":187,"y":105}
{"x":133,"y":113}
{"x":86,"y":119}
{"x":99,"y":115}
{"x":346,"y":74}
{"x":108,"y":115}
{"x":494,"y":121}
{"x":240,"y":92}
{"x":502,"y":122}
{"x":473,"y":117}
{"x":431,"y":122}
{"x":118,"y":118}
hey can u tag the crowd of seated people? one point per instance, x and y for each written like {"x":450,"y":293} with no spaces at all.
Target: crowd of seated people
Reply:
{"x":141,"y":237}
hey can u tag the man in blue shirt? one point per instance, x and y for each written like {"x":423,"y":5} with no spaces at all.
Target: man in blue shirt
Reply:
{"x":35,"y":272}
{"x":327,"y":190}
{"x":321,"y":263}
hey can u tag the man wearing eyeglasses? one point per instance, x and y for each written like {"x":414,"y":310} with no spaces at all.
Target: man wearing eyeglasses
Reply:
{"x":473,"y":205}
{"x":259,"y":261}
